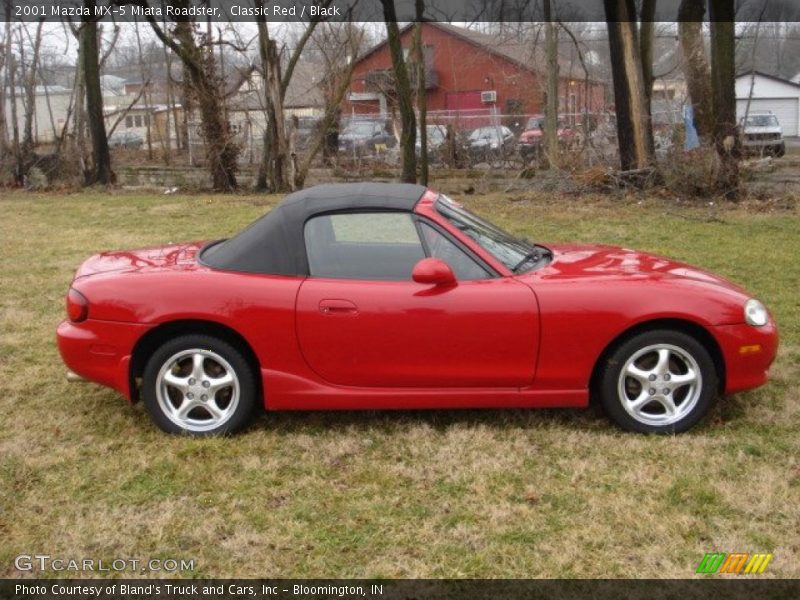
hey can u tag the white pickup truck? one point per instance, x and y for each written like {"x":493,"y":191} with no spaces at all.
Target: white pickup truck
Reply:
{"x":762,"y":134}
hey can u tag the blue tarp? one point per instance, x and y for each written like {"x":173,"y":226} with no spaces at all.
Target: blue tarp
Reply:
{"x":692,"y":140}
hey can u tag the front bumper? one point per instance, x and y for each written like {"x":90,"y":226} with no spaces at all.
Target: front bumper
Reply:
{"x":100,"y":351}
{"x":748,"y":353}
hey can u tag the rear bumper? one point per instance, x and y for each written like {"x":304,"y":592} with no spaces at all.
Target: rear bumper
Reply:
{"x":100,"y":351}
{"x":748,"y":352}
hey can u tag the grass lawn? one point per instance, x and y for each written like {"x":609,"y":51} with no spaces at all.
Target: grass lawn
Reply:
{"x":401,"y":494}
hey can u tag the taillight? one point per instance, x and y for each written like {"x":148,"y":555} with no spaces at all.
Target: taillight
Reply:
{"x":77,"y":306}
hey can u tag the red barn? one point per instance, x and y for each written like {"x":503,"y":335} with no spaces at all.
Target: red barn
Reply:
{"x":472,"y":73}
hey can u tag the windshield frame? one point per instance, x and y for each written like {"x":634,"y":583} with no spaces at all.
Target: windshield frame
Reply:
{"x":508,"y":250}
{"x":772,"y":121}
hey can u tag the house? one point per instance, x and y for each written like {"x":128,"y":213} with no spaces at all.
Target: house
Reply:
{"x":146,"y":120}
{"x":111,"y":85}
{"x":246,"y":105}
{"x":760,"y":92}
{"x":470,"y":73}
{"x":51,"y":108}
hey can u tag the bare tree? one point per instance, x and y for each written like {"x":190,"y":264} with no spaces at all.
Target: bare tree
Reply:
{"x":278,"y":170}
{"x":145,"y":89}
{"x":29,"y":86}
{"x":550,"y":137}
{"x":337,"y":82}
{"x":722,"y":14}
{"x":277,"y":164}
{"x":333,"y":50}
{"x":11,"y":70}
{"x":89,"y":56}
{"x":207,"y":89}
{"x":5,"y":64}
{"x":633,"y":122}
{"x":646,"y":43}
{"x":422,"y":93}
{"x":402,"y":95}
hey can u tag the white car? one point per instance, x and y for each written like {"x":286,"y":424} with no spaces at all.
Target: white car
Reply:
{"x":762,"y":134}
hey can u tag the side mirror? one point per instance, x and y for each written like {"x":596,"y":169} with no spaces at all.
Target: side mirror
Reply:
{"x":432,"y":271}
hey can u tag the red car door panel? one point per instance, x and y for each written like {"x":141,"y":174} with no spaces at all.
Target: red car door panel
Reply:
{"x":406,"y":334}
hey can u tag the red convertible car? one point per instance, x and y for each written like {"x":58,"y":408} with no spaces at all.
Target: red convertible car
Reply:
{"x":389,"y":296}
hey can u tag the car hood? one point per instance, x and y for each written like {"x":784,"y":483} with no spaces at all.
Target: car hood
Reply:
{"x":169,"y":256}
{"x":603,"y":262}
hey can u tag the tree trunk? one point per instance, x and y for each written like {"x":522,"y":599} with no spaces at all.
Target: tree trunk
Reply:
{"x":168,"y":114}
{"x":5,"y":64}
{"x":145,"y":85}
{"x":646,"y":41}
{"x":337,"y":82}
{"x":695,"y":66}
{"x":275,"y":174}
{"x":101,"y":157}
{"x":634,"y":129}
{"x":221,"y":149}
{"x":402,"y":87}
{"x":30,"y":96}
{"x":12,"y":80}
{"x":722,"y":14}
{"x":550,"y":133}
{"x":422,"y":95}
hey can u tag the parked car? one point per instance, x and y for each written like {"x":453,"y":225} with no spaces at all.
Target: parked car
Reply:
{"x":761,"y":133}
{"x":362,"y":138}
{"x":530,"y":140}
{"x":492,"y":144}
{"x":125,"y":139}
{"x":436,"y":138}
{"x":392,"y":296}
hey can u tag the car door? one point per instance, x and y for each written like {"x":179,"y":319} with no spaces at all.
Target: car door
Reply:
{"x":362,"y":320}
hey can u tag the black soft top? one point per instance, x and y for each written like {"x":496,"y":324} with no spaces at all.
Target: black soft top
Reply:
{"x":274,"y":243}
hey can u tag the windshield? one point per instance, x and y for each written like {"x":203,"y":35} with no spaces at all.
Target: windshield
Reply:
{"x":535,"y":123}
{"x":514,"y":253}
{"x":761,"y":121}
{"x":362,"y":129}
{"x":485,"y":133}
{"x":435,"y":134}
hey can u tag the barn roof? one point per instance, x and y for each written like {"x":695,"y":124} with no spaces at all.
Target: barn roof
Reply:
{"x":524,"y":54}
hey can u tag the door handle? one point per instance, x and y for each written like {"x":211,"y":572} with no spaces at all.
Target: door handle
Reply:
{"x":337,"y":307}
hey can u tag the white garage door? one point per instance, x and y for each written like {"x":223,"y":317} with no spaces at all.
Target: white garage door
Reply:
{"x":783,"y":108}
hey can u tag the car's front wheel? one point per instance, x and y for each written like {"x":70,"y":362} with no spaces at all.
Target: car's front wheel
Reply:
{"x":199,"y":385}
{"x":659,"y":381}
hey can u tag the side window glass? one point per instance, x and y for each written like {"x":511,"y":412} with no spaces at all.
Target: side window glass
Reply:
{"x":464,"y":267}
{"x":372,"y":246}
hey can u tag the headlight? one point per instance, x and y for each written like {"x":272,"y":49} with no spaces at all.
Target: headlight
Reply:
{"x":755,"y":313}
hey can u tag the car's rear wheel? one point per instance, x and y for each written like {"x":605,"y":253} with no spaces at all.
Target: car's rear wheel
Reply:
{"x":199,"y":385}
{"x":658,"y":381}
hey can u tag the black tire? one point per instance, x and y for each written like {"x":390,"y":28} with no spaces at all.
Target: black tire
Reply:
{"x":234,"y":402}
{"x":643,"y":401}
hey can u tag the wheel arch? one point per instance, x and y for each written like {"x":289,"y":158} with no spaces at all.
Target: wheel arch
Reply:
{"x":151,"y":340}
{"x":691,"y":328}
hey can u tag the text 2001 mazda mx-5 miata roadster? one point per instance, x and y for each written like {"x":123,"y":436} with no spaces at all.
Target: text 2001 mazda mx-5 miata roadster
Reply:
{"x":387,"y":296}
